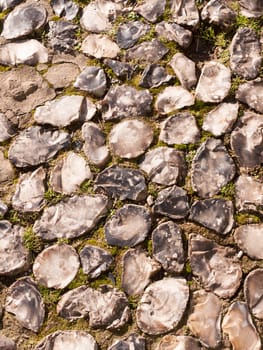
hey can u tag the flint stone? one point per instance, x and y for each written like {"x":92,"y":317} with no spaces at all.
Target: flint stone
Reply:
{"x":180,"y":342}
{"x":253,"y":290}
{"x":71,"y":218}
{"x":99,"y":46}
{"x":128,"y":226}
{"x":249,"y":238}
{"x":153,"y":76}
{"x":147,"y":52}
{"x":125,"y":101}
{"x":66,"y":8}
{"x":69,"y":340}
{"x":245,"y":53}
{"x":151,"y":9}
{"x":62,"y":36}
{"x":218,"y":13}
{"x":168,"y":247}
{"x":129,"y":33}
{"x":185,"y":12}
{"x":184,"y":69}
{"x":172,"y":202}
{"x":93,"y":80}
{"x":214,"y":82}
{"x":252,"y":8}
{"x":162,"y":305}
{"x":205,"y":318}
{"x":7,"y":343}
{"x":62,"y":75}
{"x":3,"y":211}
{"x":7,"y":128}
{"x":7,"y":173}
{"x":221,"y":119}
{"x":130,"y":138}
{"x":29,"y":193}
{"x":249,"y":194}
{"x":215,"y":213}
{"x":23,"y":20}
{"x":7,"y":4}
{"x":173,"y":98}
{"x":239,"y":327}
{"x":122,"y":70}
{"x":251,"y":93}
{"x":36,"y":145}
{"x":104,"y":307}
{"x":207,"y":178}
{"x":216,"y":266}
{"x":95,"y":144}
{"x":133,"y":342}
{"x":174,"y":32}
{"x":94,"y":260}
{"x":25,"y":302}
{"x":180,"y":128}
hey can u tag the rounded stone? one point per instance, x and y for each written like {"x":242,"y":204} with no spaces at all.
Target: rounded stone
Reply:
{"x":253,"y":289}
{"x":249,"y":238}
{"x":93,"y":80}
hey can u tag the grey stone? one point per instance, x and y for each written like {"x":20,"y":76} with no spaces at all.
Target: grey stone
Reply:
{"x":104,"y":307}
{"x":154,"y":75}
{"x":184,"y":69}
{"x":168,"y":247}
{"x":29,"y":193}
{"x":147,"y":52}
{"x":249,"y":239}
{"x":162,"y":305}
{"x":174,"y":32}
{"x":29,"y":52}
{"x":128,"y":226}
{"x":7,"y":173}
{"x":180,"y":342}
{"x":205,"y":318}
{"x":36,"y":145}
{"x":7,"y":343}
{"x":3,"y":211}
{"x":173,"y":98}
{"x":217,"y":12}
{"x":245,"y":53}
{"x":62,"y":36}
{"x":23,"y":20}
{"x":253,"y":290}
{"x":99,"y":46}
{"x":62,"y":75}
{"x":129,"y":33}
{"x":238,"y":324}
{"x":122,"y":70}
{"x":164,"y":165}
{"x":221,"y":119}
{"x":132,"y":342}
{"x":72,"y":217}
{"x":180,"y":128}
{"x":7,"y":4}
{"x":7,"y":128}
{"x":249,"y":194}
{"x":185,"y":12}
{"x":214,"y":213}
{"x":172,"y":202}
{"x":56,"y":266}
{"x":130,"y":138}
{"x":251,"y":93}
{"x":25,"y":302}
{"x":206,"y":176}
{"x":151,"y":9}
{"x":137,"y":270}
{"x":214,"y":82}
{"x":125,"y":101}
{"x":93,"y":80}
{"x":252,"y":8}
{"x":216,"y":266}
{"x":67,"y":8}
{"x":94,"y":260}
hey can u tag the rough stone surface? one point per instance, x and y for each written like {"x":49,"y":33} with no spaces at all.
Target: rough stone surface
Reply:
{"x":251,"y":93}
{"x":99,"y":46}
{"x":151,"y":9}
{"x":218,"y":13}
{"x":7,"y":172}
{"x":180,"y":342}
{"x":93,"y":80}
{"x":132,"y":342}
{"x":129,"y":33}
{"x":153,"y":76}
{"x":174,"y":32}
{"x":7,"y":343}
{"x":7,"y":128}
{"x":246,"y":236}
{"x":184,"y":69}
{"x":253,"y":290}
{"x":249,"y":194}
{"x":253,"y":8}
{"x":185,"y":12}
{"x":7,"y":4}
{"x":62,"y":75}
{"x":66,"y":8}
{"x":62,"y":36}
{"x":173,"y":98}
{"x":147,"y":52}
{"x":122,"y":70}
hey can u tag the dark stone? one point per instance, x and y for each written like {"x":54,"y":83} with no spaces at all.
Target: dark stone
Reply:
{"x":94,"y":260}
{"x":66,"y":8}
{"x":151,"y":9}
{"x":153,"y":76}
{"x":129,"y":33}
{"x":122,"y":70}
{"x":147,"y":52}
{"x":62,"y":36}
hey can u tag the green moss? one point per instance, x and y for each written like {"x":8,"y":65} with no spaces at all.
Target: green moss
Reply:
{"x":103,"y":279}
{"x":52,"y":197}
{"x":246,"y":218}
{"x":31,"y":241}
{"x":50,"y":296}
{"x":80,"y":280}
{"x":150,"y":246}
{"x":235,"y":82}
{"x":23,"y":219}
{"x":133,"y":301}
{"x":228,"y":191}
{"x":254,"y":23}
{"x":153,"y":189}
{"x":87,"y":187}
{"x":4,"y":68}
{"x":188,"y":268}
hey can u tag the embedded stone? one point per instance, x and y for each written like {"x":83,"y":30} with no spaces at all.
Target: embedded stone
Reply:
{"x":122,"y":70}
{"x":7,"y":343}
{"x":185,"y":12}
{"x":174,"y":32}
{"x":249,"y":194}
{"x":128,"y":226}
{"x":99,"y":46}
{"x":245,"y":53}
{"x":25,"y":302}
{"x":69,"y":173}
{"x":3,"y":211}
{"x":252,"y":8}
{"x":216,"y":266}
{"x":214,"y":213}
{"x":103,"y":307}
{"x":205,"y":318}
{"x":30,"y":190}
{"x":29,"y":52}
{"x":62,"y":75}
{"x":129,"y":33}
{"x":179,"y":129}
{"x":7,"y":128}
{"x":180,"y":342}
{"x":214,"y":82}
{"x":173,"y":98}
{"x":253,"y":290}
{"x":206,"y":176}
{"x":132,"y":342}
{"x":94,"y":260}
{"x":36,"y":145}
{"x":62,"y":36}
{"x":147,"y":52}
{"x":23,"y":20}
{"x":7,"y":173}
{"x":72,"y":217}
{"x":249,"y":239}
{"x":168,"y":247}
{"x":221,"y":119}
{"x":239,"y":327}
{"x":130,"y":138}
{"x":184,"y":69}
{"x":251,"y":93}
{"x":125,"y":101}
{"x":218,"y":13}
{"x":93,"y":80}
{"x":151,"y":9}
{"x":172,"y":202}
{"x":162,"y":305}
{"x":7,"y":4}
{"x":65,"y":8}
{"x":14,"y":257}
{"x":56,"y":266}
{"x":95,"y":144}
{"x":153,"y":76}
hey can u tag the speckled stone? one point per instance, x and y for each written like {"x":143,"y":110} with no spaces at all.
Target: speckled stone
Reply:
{"x":132,"y":342}
{"x":180,"y":342}
{"x":173,"y":98}
{"x":185,"y":12}
{"x":248,"y":194}
{"x":99,"y":46}
{"x":147,"y":52}
{"x":151,"y":9}
{"x":251,"y":93}
{"x":253,"y":290}
{"x":246,"y":236}
{"x":184,"y":69}
{"x":129,"y":33}
{"x":217,"y":12}
{"x":174,"y":32}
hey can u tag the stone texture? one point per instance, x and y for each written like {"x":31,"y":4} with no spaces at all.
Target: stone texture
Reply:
{"x":122,"y":70}
{"x":173,"y":98}
{"x":62,"y":75}
{"x":151,"y":9}
{"x":99,"y":46}
{"x":93,"y":80}
{"x":66,"y":8}
{"x":180,"y":342}
{"x":184,"y":69}
{"x":7,"y":4}
{"x":253,"y":8}
{"x":251,"y":93}
{"x":246,"y":236}
{"x":132,"y":342}
{"x":217,"y":12}
{"x":253,"y":290}
{"x":7,"y":128}
{"x":129,"y":33}
{"x":62,"y":36}
{"x":147,"y":52}
{"x":185,"y":12}
{"x":7,"y":343}
{"x":249,"y":194}
{"x":154,"y":75}
{"x":174,"y":32}
{"x":7,"y":172}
